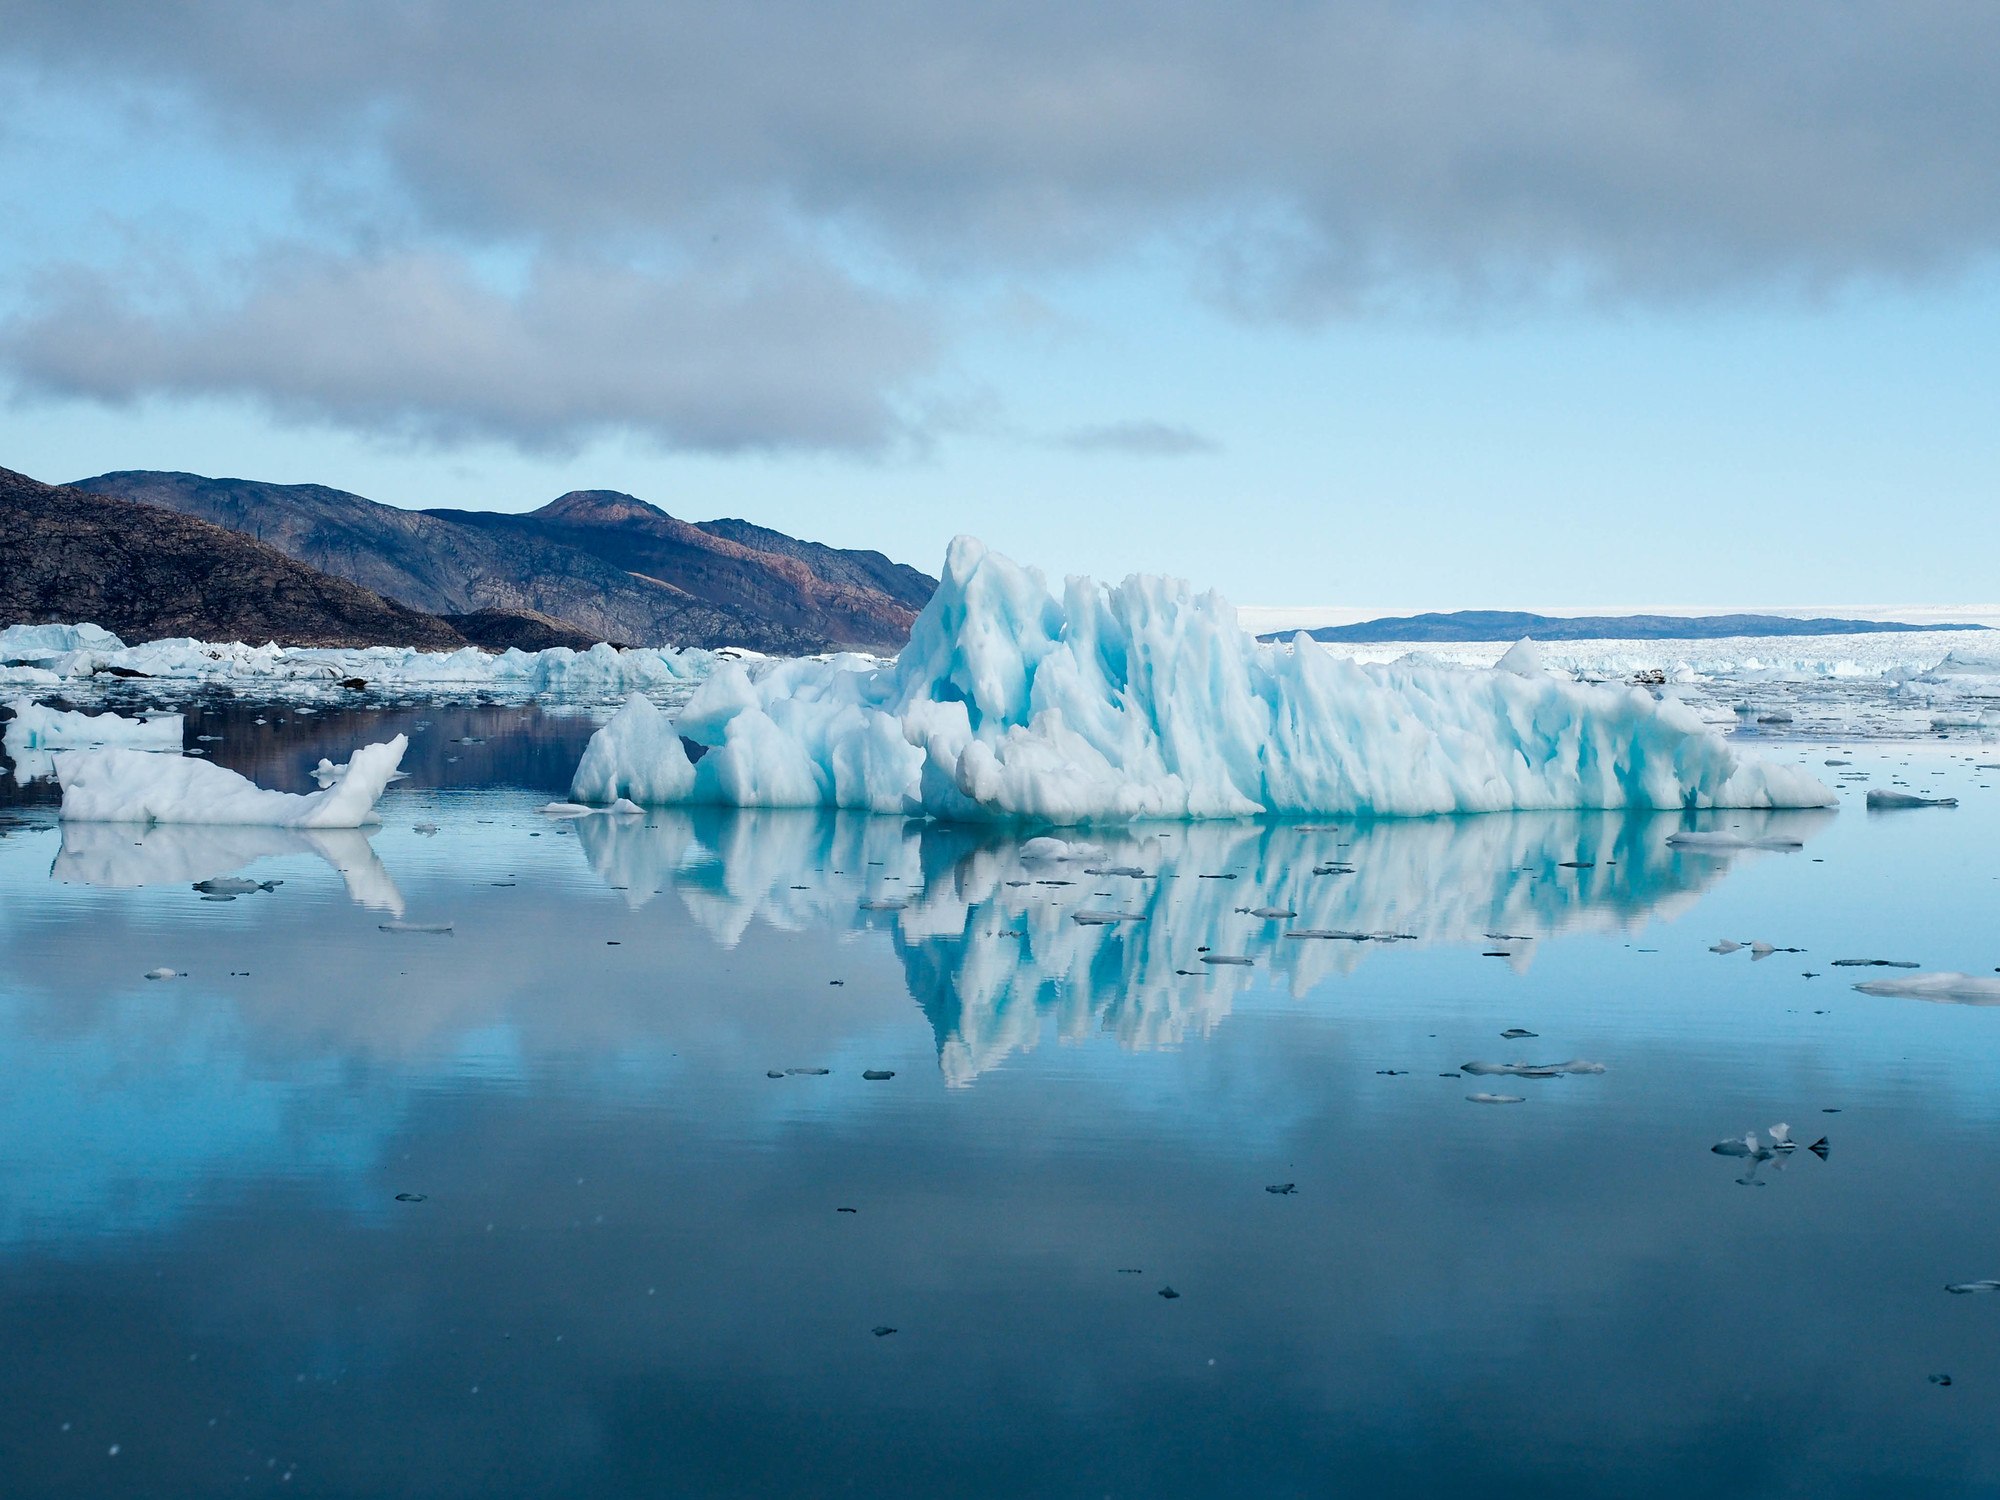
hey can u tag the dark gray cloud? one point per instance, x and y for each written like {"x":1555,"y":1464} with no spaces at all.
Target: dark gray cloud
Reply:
{"x":1137,"y":439}
{"x":1307,"y":160}
{"x":1682,"y":143}
{"x":782,"y":353}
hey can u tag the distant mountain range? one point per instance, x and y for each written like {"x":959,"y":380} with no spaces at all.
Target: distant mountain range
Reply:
{"x":1511,"y":625}
{"x":68,"y":557}
{"x":592,"y":565}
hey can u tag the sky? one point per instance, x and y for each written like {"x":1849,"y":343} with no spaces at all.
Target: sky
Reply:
{"x":1368,"y":305}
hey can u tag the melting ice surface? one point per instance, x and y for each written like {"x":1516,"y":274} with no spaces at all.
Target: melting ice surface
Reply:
{"x":132,"y":786}
{"x":620,"y":1266}
{"x":1146,"y":700}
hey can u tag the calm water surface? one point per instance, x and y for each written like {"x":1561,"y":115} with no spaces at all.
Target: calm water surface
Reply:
{"x":630,"y":1271}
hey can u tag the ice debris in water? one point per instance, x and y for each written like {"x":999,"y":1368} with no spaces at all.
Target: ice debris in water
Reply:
{"x":234,"y":885}
{"x":1881,"y":800}
{"x":1962,"y":1287}
{"x":1726,"y":843}
{"x":1146,"y":699}
{"x":435,"y":928}
{"x":34,"y":727}
{"x":1949,"y":988}
{"x":1530,"y":1070}
{"x":162,"y":974}
{"x":133,"y":786}
{"x":1495,"y":1099}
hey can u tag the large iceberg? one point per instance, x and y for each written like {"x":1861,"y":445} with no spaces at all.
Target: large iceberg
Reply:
{"x":132,"y":786}
{"x":1147,"y":700}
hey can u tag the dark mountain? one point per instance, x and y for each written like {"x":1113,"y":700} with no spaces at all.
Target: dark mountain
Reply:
{"x":601,"y":563}
{"x":67,"y":556}
{"x":1511,"y":625}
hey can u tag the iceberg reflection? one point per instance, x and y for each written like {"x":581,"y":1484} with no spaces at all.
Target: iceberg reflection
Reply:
{"x":994,"y":945}
{"x":127,"y":855}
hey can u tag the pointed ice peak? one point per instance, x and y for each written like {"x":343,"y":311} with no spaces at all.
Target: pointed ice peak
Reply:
{"x":1523,"y":659}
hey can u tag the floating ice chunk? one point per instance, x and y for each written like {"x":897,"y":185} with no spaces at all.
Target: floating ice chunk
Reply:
{"x":34,"y":727}
{"x":1725,"y":946}
{"x":433,"y":928}
{"x":1228,"y":958}
{"x":1496,"y":1099}
{"x":162,"y":974}
{"x":1876,"y":963}
{"x":234,"y":885}
{"x":34,"y":645}
{"x":1147,"y":700}
{"x":1108,"y":918}
{"x":1267,"y":913}
{"x":638,"y":755}
{"x":1947,"y":988}
{"x":565,"y":810}
{"x":1727,"y":843}
{"x":1046,"y":850}
{"x":1960,"y":1288}
{"x":1530,"y":1070}
{"x":1878,"y":800}
{"x":132,"y":786}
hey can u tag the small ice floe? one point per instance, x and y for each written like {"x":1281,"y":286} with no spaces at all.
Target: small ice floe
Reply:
{"x":1104,"y":918}
{"x":1508,"y":937}
{"x":235,"y":885}
{"x":1962,"y":1288}
{"x":806,"y":1072}
{"x":1875,"y":963}
{"x":878,"y":1075}
{"x":1880,"y":801}
{"x":565,"y":810}
{"x":1329,"y":934}
{"x":1725,"y":946}
{"x":1282,"y":1189}
{"x":427,"y":830}
{"x":326,"y":773}
{"x":884,"y":903}
{"x":1267,"y":913}
{"x":1228,"y":958}
{"x":162,"y":974}
{"x":1576,"y":1066}
{"x":443,"y":928}
{"x":1046,"y":850}
{"x":1781,"y":1144}
{"x":1495,"y":1099}
{"x":1516,"y":1033}
{"x":1946,"y":988}
{"x":1131,"y":871}
{"x":1716,"y":841}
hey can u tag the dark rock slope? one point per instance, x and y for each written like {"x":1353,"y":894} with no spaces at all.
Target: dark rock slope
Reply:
{"x":69,"y":556}
{"x":601,"y":563}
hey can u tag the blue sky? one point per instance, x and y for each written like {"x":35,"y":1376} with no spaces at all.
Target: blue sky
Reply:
{"x":1397,"y":306}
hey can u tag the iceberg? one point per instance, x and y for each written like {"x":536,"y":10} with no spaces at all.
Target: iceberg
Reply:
{"x":1147,"y":700}
{"x":35,"y":727}
{"x":132,"y":786}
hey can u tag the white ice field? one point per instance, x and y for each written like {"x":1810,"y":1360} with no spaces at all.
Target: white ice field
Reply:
{"x":1108,"y":703}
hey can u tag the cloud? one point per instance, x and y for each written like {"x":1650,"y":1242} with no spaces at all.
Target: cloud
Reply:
{"x":1671,"y":147}
{"x":1139,"y":439}
{"x":783,"y":353}
{"x":1298,"y":162}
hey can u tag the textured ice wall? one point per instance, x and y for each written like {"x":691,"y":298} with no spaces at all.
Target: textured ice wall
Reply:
{"x":133,"y":786}
{"x":1146,"y":700}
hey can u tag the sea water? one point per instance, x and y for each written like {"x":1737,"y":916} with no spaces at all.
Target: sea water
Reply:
{"x":490,"y":1154}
